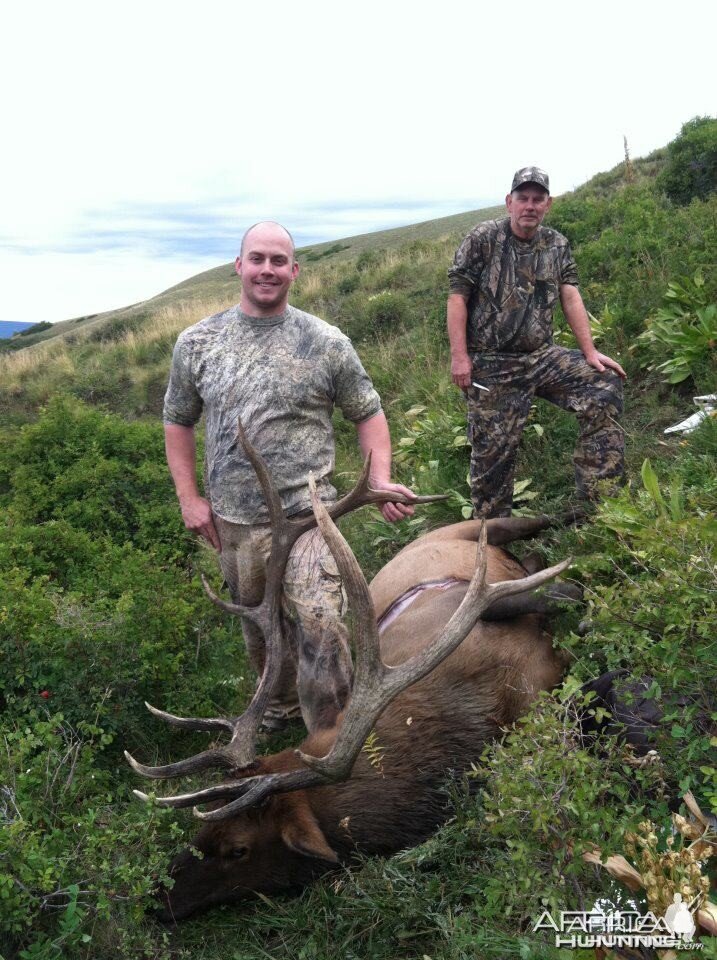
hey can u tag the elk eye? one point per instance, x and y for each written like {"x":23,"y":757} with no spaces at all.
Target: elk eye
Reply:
{"x":239,"y":853}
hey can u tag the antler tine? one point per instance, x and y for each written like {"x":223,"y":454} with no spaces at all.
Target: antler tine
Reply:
{"x":362,"y":613}
{"x":238,"y":609}
{"x":361,"y":495}
{"x":218,"y":792}
{"x":256,"y":789}
{"x":216,"y":757}
{"x":194,"y":723}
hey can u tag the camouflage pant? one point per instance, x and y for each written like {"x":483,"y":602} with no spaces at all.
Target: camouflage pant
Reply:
{"x":316,"y":672}
{"x":496,"y":420}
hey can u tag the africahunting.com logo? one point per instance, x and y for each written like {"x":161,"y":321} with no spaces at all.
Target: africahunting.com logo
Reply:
{"x":623,"y":928}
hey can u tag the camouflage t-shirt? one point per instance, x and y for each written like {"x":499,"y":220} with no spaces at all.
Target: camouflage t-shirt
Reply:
{"x":283,"y":375}
{"x":511,"y":286}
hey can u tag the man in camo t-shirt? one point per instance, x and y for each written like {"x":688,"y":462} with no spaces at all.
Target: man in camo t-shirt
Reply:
{"x":282,"y":371}
{"x":507,"y":276}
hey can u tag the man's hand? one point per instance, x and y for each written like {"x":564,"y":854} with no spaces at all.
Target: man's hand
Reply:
{"x":197,"y":516}
{"x":600,"y":362}
{"x":392,"y":512}
{"x":461,"y":370}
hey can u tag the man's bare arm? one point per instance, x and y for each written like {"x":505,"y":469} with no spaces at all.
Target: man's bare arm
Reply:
{"x":181,"y":458}
{"x":456,"y":322}
{"x":579,"y":322}
{"x":373,"y":435}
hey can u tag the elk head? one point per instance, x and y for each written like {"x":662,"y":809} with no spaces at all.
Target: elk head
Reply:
{"x":272,"y":847}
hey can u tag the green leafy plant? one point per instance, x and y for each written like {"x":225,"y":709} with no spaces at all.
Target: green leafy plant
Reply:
{"x":600,"y":327}
{"x":673,"y":509}
{"x":651,"y":588}
{"x":72,"y":877}
{"x":685,"y":327}
{"x":547,"y":799}
{"x":432,"y":450}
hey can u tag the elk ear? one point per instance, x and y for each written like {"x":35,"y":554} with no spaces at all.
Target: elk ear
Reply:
{"x":301,"y":832}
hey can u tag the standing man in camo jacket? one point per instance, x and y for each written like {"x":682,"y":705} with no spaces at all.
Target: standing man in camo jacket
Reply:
{"x":506,"y":279}
{"x":282,"y":371}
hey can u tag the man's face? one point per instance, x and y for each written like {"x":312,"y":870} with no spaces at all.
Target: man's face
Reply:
{"x":267,"y":269}
{"x":527,"y":206}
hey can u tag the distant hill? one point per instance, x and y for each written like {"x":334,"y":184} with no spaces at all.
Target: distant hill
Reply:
{"x":9,"y":327}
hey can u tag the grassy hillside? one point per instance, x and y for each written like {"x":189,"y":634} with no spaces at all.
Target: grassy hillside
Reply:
{"x":101,"y":608}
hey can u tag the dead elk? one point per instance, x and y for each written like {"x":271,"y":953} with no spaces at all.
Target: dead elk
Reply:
{"x":433,"y":682}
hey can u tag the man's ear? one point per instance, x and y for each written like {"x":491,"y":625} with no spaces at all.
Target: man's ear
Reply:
{"x":237,"y":266}
{"x":295,"y":270}
{"x":301,"y":832}
{"x":508,"y":200}
{"x":549,"y":204}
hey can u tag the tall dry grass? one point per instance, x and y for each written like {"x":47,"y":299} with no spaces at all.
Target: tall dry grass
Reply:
{"x":16,"y":368}
{"x":79,"y":362}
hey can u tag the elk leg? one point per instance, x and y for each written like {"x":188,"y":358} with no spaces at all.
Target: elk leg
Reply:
{"x":546,"y":602}
{"x":632,"y":715}
{"x":502,"y":530}
{"x":506,"y":529}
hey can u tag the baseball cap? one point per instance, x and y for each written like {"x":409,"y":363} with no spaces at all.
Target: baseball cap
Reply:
{"x":530,"y":175}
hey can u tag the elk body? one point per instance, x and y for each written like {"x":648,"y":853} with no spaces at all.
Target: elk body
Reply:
{"x":433,"y":684}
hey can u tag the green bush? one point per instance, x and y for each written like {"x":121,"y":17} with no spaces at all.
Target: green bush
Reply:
{"x":629,"y":245}
{"x":99,"y":473}
{"x":684,"y":329}
{"x":329,"y":252}
{"x":77,"y":866}
{"x":367,"y":260}
{"x":97,"y":605}
{"x":387,"y":309}
{"x":650,"y":582}
{"x":348,"y":283}
{"x":546,"y":800}
{"x":106,"y":631}
{"x":433,"y":454}
{"x":691,"y":168}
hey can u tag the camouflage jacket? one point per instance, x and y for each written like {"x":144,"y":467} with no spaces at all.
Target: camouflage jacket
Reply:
{"x":511,"y":286}
{"x":283,"y":375}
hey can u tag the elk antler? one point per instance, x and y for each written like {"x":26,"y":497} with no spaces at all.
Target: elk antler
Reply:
{"x":375,"y":684}
{"x":241,"y":749}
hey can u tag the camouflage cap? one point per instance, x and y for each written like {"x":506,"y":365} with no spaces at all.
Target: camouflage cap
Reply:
{"x":530,"y":175}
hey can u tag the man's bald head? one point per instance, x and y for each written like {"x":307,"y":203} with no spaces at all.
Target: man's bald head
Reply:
{"x":267,"y":266}
{"x":268,"y":227}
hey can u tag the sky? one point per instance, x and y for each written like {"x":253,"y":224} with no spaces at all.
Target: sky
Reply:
{"x":141,"y":139}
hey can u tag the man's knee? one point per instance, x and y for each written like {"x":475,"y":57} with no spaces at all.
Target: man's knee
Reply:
{"x":600,"y":402}
{"x":568,"y":380}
